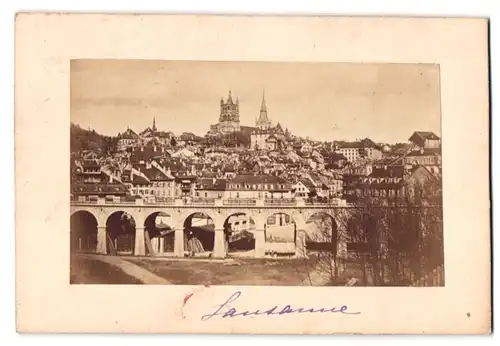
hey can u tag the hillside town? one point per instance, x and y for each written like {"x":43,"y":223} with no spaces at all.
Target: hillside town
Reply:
{"x":235,"y":161}
{"x":281,"y":196}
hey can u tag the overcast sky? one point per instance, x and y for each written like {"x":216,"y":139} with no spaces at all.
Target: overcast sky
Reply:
{"x":325,"y":101}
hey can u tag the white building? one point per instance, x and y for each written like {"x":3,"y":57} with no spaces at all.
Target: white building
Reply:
{"x":258,"y":186}
{"x":356,"y":153}
{"x":127,"y":139}
{"x":303,"y":188}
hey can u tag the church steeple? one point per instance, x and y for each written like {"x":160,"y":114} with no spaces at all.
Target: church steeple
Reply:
{"x":263,"y":107}
{"x":263,"y":122}
{"x":154,"y":124}
{"x":229,"y":98}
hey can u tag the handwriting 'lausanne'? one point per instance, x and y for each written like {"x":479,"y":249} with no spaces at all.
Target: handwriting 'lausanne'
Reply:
{"x":224,"y":310}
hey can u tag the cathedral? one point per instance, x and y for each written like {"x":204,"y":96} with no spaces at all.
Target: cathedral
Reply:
{"x":229,"y":119}
{"x":263,"y":136}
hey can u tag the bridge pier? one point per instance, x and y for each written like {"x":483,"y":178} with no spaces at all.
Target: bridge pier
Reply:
{"x":300,"y":244}
{"x":219,"y":244}
{"x":179,"y":242}
{"x":140,"y":244}
{"x":101,"y":240}
{"x":260,"y":243}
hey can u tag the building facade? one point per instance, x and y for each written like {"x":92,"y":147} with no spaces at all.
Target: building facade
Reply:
{"x":258,"y":186}
{"x":356,"y":153}
{"x":127,"y":139}
{"x":425,"y":140}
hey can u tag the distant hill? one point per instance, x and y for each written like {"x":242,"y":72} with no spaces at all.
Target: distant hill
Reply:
{"x":82,"y":139}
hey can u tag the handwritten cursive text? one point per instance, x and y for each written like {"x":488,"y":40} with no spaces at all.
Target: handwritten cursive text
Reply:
{"x":224,"y":310}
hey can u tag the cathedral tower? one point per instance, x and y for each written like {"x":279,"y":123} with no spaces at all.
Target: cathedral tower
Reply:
{"x":229,"y":119}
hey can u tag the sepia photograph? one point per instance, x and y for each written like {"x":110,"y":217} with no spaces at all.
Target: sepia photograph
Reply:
{"x":255,"y":173}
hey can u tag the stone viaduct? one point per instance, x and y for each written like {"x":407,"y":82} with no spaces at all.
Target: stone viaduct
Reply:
{"x":219,"y":211}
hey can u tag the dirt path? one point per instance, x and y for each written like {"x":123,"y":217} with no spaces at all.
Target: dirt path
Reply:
{"x":139,"y":273}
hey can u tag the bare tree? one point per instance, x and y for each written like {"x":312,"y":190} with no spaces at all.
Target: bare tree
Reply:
{"x":381,"y":241}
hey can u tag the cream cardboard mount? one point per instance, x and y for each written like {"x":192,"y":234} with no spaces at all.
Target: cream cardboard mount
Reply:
{"x":232,"y":174}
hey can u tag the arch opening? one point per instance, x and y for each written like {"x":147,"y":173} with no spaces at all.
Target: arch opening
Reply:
{"x":322,"y":233}
{"x":362,"y":235}
{"x":199,"y":234}
{"x":280,"y":235}
{"x":120,"y":233}
{"x":362,"y":247}
{"x":83,"y":232}
{"x":159,"y":228}
{"x":239,"y":231}
{"x":324,"y":246}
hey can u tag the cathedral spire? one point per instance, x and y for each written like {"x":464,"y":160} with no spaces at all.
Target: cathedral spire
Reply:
{"x":154,"y":124}
{"x":263,"y":107}
{"x":229,"y":98}
{"x":263,"y":122}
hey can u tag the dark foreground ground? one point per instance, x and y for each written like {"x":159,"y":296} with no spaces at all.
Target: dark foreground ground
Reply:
{"x":91,"y":271}
{"x":239,"y":272}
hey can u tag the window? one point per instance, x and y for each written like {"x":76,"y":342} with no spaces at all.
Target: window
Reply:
{"x":237,"y":195}
{"x":206,"y":194}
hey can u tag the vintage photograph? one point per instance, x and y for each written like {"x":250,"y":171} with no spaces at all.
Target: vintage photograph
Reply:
{"x":255,"y":173}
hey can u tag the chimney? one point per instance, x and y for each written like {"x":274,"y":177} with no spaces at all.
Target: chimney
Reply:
{"x":142,"y":148}
{"x":131,"y":175}
{"x":154,"y":148}
{"x":148,"y":165}
{"x":111,"y":178}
